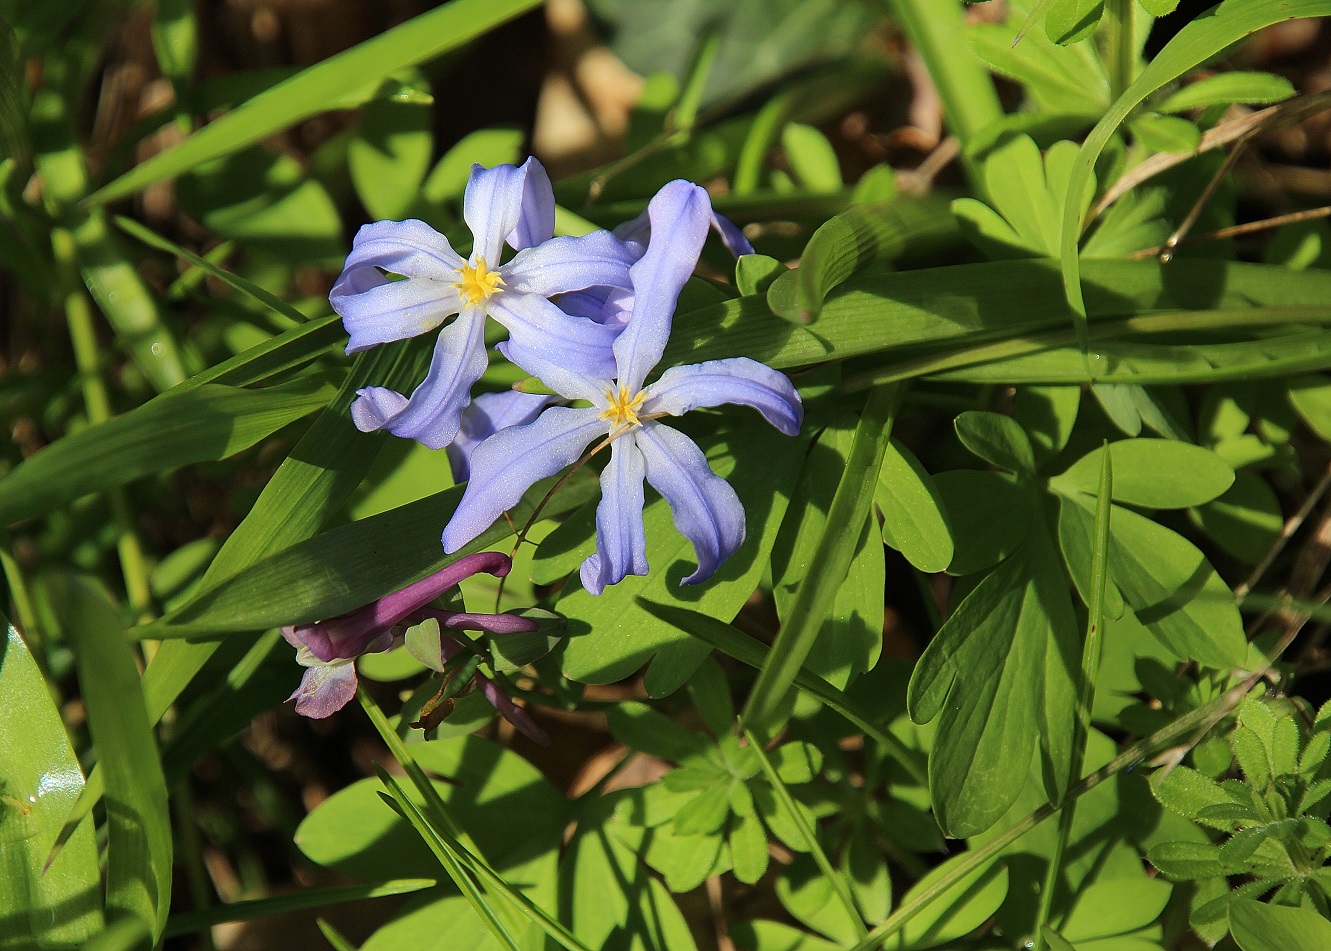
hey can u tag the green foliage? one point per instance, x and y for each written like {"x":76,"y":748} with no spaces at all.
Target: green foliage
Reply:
{"x":854,"y":733}
{"x":1274,"y":824}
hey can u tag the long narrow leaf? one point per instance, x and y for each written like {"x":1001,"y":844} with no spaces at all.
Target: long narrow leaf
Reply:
{"x":59,"y":907}
{"x":170,"y":431}
{"x":831,"y":560}
{"x":139,"y":847}
{"x":295,"y":901}
{"x":354,"y":73}
{"x":349,"y":566}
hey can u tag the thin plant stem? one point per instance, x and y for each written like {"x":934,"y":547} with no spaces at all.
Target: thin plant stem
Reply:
{"x":1121,"y":46}
{"x":1090,"y":673}
{"x":810,"y":837}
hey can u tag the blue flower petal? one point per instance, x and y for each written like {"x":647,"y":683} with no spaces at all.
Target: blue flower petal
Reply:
{"x":570,"y":264}
{"x":551,"y":370}
{"x":375,"y":310}
{"x":737,"y":380}
{"x":487,"y":414}
{"x":621,"y":539}
{"x":680,"y":214}
{"x":536,"y":221}
{"x":492,"y":206}
{"x":705,"y":508}
{"x":540,"y":333}
{"x":507,"y":464}
{"x":731,"y":236}
{"x":432,"y":415}
{"x":636,"y":233}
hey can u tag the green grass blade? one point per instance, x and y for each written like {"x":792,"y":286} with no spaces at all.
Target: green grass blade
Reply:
{"x":139,"y":846}
{"x":170,"y":431}
{"x":1196,"y":43}
{"x":288,"y":350}
{"x":248,"y":288}
{"x":327,"y":85}
{"x":834,"y":878}
{"x":59,"y":907}
{"x":1090,"y":674}
{"x":128,"y":934}
{"x":831,"y":561}
{"x":109,"y":274}
{"x":454,"y":840}
{"x":747,"y":650}
{"x":938,"y":31}
{"x":447,"y":858}
{"x":335,"y":938}
{"x":1142,"y":363}
{"x":295,"y":901}
{"x":349,"y":566}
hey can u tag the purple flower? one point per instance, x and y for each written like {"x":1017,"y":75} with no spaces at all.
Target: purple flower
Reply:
{"x":328,"y":649}
{"x":501,"y":204}
{"x":625,"y":412}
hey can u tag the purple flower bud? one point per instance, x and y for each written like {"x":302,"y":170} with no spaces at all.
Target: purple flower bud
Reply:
{"x":328,"y":648}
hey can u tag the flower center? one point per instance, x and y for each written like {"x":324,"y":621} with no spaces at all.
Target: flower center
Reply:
{"x":479,"y":282}
{"x":622,"y":408}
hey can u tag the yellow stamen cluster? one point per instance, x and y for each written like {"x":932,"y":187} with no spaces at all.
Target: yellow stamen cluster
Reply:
{"x":478,"y":282}
{"x":622,"y":408}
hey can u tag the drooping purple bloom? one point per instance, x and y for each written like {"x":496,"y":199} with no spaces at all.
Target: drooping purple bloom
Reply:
{"x":328,"y":648}
{"x":625,"y":412}
{"x":501,"y":204}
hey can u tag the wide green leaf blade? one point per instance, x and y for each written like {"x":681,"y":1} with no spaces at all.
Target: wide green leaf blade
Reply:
{"x":139,"y":846}
{"x":342,"y":569}
{"x":1153,"y":473}
{"x":326,"y":85}
{"x":1000,"y":667}
{"x":915,"y":520}
{"x":1174,"y":591}
{"x":59,"y":908}
{"x":172,"y":430}
{"x":1260,"y":927}
{"x":852,"y":634}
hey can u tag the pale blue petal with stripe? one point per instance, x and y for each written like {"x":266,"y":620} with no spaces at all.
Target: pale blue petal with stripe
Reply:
{"x":680,"y":214}
{"x":737,"y":380}
{"x":621,"y":539}
{"x":511,"y":461}
{"x":706,"y":509}
{"x":433,"y":413}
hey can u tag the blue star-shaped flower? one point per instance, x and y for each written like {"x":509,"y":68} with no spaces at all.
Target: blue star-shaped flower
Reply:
{"x":625,"y":412}
{"x":501,"y":204}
